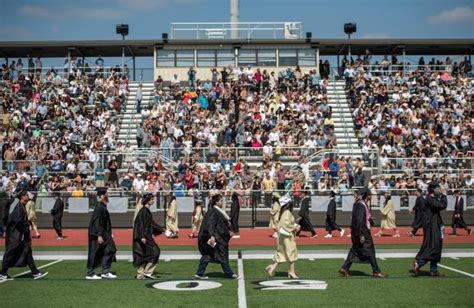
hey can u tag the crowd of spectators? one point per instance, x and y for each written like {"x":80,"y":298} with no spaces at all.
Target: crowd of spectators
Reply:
{"x":418,"y":124}
{"x":54,"y":122}
{"x":423,"y":114}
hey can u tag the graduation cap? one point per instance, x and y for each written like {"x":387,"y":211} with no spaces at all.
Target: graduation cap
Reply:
{"x":332,"y":193}
{"x":101,"y":191}
{"x":285,"y":200}
{"x":364,"y":192}
{"x":432,"y":187}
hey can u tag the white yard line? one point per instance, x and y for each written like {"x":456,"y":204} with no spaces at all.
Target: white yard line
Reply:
{"x":241,"y":289}
{"x":27,"y":272}
{"x":249,"y":255}
{"x":455,"y":270}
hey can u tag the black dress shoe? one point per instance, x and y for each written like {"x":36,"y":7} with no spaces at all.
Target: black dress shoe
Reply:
{"x":344,"y":273}
{"x":416,"y":268}
{"x":437,"y":274}
{"x":380,"y":275}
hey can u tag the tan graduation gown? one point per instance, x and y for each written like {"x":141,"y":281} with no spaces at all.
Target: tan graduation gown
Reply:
{"x":274,"y":215}
{"x":286,"y":249}
{"x":388,"y":216}
{"x":172,"y":217}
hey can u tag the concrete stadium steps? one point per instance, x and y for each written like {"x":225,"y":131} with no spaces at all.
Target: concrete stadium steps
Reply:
{"x":130,"y":119}
{"x":347,"y":142}
{"x":343,"y":123}
{"x":125,"y":220}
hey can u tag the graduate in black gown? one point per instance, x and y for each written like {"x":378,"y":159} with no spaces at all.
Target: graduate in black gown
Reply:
{"x":419,"y":210}
{"x":102,"y":248}
{"x":234,"y":215}
{"x":57,"y":212}
{"x":331,"y":224}
{"x":18,"y":252}
{"x":303,"y":215}
{"x":432,"y":232}
{"x":213,"y":239}
{"x":145,"y":250}
{"x":363,"y":249}
{"x":458,"y":214}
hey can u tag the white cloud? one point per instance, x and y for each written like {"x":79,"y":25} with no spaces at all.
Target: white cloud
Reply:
{"x":459,"y":14}
{"x":69,"y":12}
{"x":186,"y":1}
{"x":105,"y":13}
{"x":376,"y":35}
{"x":142,"y":5}
{"x":36,"y":11}
{"x":12,"y":31}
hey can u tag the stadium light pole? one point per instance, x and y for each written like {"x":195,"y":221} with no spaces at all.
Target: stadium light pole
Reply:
{"x":350,"y":28}
{"x":122,"y":29}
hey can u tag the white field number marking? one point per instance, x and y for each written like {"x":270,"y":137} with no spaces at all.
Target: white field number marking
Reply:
{"x":302,"y":284}
{"x":192,"y":285}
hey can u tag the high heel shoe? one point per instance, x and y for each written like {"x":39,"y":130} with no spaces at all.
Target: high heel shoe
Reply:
{"x":293,"y":276}
{"x":270,"y":270}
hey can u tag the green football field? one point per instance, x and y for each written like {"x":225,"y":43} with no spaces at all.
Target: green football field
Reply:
{"x":65,"y":286}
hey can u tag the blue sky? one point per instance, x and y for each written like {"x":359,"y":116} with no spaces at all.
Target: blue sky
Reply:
{"x":92,"y":19}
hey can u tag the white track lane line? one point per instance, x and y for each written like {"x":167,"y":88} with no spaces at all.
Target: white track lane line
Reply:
{"x":455,"y":270}
{"x":241,"y":289}
{"x":42,"y":266}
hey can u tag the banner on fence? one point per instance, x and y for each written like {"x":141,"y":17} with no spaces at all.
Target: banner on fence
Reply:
{"x":78,"y":205}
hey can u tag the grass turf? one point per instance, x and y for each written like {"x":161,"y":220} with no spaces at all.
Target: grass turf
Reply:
{"x":65,"y":286}
{"x":244,"y":248}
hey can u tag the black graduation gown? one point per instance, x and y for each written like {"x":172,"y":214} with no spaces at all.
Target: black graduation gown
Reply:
{"x":303,"y":214}
{"x":331,"y":224}
{"x":17,"y":238}
{"x":6,"y":210}
{"x":214,"y":224}
{"x":366,"y":251}
{"x":419,"y":209}
{"x":432,"y":232}
{"x":100,"y":225}
{"x":234,"y":214}
{"x":458,"y":222}
{"x":145,"y":227}
{"x":57,"y":212}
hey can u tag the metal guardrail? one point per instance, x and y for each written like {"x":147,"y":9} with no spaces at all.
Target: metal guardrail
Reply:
{"x":223,"y":30}
{"x":252,"y":199}
{"x":61,"y":73}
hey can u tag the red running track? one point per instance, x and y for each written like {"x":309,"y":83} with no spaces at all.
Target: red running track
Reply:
{"x":248,"y":237}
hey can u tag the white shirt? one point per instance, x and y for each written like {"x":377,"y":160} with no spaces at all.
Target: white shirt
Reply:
{"x":138,"y":184}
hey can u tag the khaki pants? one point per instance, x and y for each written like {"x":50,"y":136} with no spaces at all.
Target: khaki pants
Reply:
{"x":148,"y":268}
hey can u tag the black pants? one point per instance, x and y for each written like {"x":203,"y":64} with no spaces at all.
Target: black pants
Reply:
{"x":352,"y":255}
{"x":57,"y":225}
{"x":268,"y":199}
{"x":29,"y":261}
{"x":205,"y":261}
{"x":331,"y":225}
{"x":306,"y":225}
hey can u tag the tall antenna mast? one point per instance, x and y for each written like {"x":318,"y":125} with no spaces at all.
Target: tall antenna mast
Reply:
{"x":234,"y":18}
